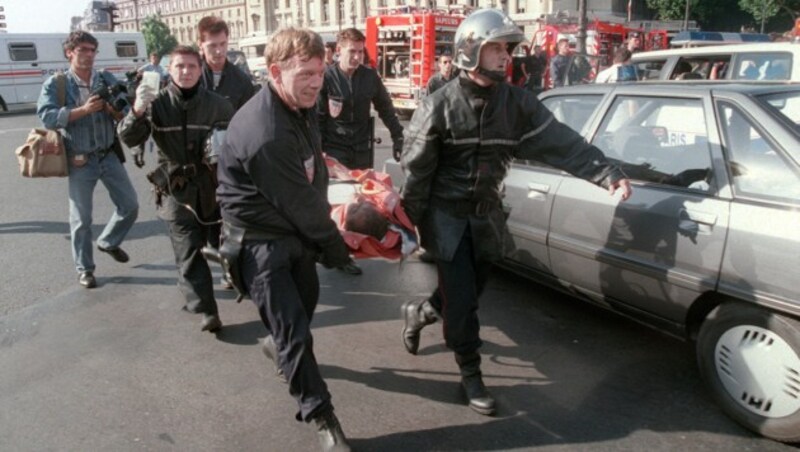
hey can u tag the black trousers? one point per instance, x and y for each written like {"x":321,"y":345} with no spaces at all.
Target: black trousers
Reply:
{"x":281,"y":277}
{"x":188,"y":237}
{"x":461,"y":283}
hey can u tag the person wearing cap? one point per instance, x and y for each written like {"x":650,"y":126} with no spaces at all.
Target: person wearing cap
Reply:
{"x":458,"y":148}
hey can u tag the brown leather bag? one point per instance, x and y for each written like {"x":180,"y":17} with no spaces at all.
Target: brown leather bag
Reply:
{"x":43,"y":154}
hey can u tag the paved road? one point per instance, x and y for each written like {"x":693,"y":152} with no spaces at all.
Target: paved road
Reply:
{"x":122,"y":368}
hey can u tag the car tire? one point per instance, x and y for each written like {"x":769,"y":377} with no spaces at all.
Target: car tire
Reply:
{"x":750,"y":359}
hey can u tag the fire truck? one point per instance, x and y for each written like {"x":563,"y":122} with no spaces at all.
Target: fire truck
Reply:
{"x":601,"y":39}
{"x":403,"y":45}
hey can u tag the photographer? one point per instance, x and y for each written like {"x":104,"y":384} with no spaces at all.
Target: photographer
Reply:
{"x":180,"y":119}
{"x":86,"y":116}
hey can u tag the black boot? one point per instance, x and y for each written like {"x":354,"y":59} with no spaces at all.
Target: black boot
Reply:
{"x":271,"y":352}
{"x":479,"y":397}
{"x":416,"y":315}
{"x":331,"y":436}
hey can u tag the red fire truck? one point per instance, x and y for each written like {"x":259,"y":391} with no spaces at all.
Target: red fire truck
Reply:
{"x":403,"y":46}
{"x":601,"y":39}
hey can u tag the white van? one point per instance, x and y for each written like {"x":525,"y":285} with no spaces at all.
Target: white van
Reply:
{"x":762,"y":61}
{"x":28,"y":59}
{"x":253,"y":48}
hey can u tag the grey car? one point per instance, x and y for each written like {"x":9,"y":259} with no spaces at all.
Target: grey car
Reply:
{"x":708,"y":246}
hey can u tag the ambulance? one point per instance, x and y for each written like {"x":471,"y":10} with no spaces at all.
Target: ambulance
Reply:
{"x":28,"y":59}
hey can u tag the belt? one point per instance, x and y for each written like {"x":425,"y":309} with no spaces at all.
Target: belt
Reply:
{"x":465,"y":207}
{"x":188,"y":170}
{"x":250,"y":234}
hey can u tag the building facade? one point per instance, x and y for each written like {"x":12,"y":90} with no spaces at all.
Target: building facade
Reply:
{"x":256,"y":17}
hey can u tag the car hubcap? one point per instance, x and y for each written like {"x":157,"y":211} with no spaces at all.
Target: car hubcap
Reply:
{"x":759,"y":370}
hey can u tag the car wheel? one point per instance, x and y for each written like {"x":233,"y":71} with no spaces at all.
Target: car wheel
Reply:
{"x":750,"y":359}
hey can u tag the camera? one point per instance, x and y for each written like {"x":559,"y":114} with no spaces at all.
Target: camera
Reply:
{"x":110,"y":95}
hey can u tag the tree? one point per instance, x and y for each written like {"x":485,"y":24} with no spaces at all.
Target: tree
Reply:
{"x":761,"y":10}
{"x":157,"y":36}
{"x":790,"y":7}
{"x":701,"y":10}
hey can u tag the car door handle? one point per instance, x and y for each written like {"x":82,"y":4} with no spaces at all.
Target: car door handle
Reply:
{"x":699,"y":216}
{"x":541,"y":188}
{"x":35,"y":64}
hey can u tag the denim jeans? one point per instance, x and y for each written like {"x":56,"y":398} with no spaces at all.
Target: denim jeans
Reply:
{"x":82,"y":182}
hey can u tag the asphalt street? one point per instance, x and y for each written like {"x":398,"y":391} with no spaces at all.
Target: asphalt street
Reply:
{"x":122,"y":368}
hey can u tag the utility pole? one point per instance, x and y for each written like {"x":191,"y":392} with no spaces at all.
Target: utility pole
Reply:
{"x":763,"y":13}
{"x":686,"y":17}
{"x":580,"y":45}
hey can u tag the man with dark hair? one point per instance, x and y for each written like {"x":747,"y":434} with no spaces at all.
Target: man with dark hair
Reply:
{"x":330,"y":51}
{"x":533,"y":66}
{"x":87,"y":122}
{"x":219,"y":75}
{"x":180,"y":118}
{"x":559,"y":63}
{"x":344,"y":105}
{"x":634,"y":43}
{"x":155,"y":66}
{"x":445,"y":74}
{"x":223,"y":78}
{"x":273,"y":185}
{"x":460,"y":144}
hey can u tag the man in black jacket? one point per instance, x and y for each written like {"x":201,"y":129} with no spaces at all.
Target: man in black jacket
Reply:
{"x":182,"y":116}
{"x":459,"y":146}
{"x":219,"y":75}
{"x":223,"y":78}
{"x":445,"y":74}
{"x":344,"y":103}
{"x":273,"y":185}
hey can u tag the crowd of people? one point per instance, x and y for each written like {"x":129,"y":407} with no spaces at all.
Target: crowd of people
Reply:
{"x":266,"y":185}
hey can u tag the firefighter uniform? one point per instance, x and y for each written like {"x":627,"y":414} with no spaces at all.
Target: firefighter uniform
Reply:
{"x":459,"y":147}
{"x":344,"y":112}
{"x":273,"y":185}
{"x":180,"y":124}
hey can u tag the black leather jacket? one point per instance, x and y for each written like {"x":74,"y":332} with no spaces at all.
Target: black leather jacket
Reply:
{"x":273,"y":179}
{"x":180,"y":128}
{"x":459,"y":147}
{"x":344,"y":110}
{"x":234,"y":85}
{"x":438,"y":80}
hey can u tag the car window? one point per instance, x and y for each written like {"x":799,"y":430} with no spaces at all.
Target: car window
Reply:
{"x":649,"y":70}
{"x":757,"y":167}
{"x":787,"y":105}
{"x":701,"y":67}
{"x":573,"y":110}
{"x":127,"y":49}
{"x":22,"y":52}
{"x":658,"y":140}
{"x":763,"y":66}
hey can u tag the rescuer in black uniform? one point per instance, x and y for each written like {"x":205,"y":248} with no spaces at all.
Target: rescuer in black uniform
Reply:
{"x":344,"y":104}
{"x":273,"y":185}
{"x":458,"y":149}
{"x":445,"y":74}
{"x":182,"y":116}
{"x":219,"y":75}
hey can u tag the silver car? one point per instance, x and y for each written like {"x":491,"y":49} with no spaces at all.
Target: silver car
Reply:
{"x":708,"y":246}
